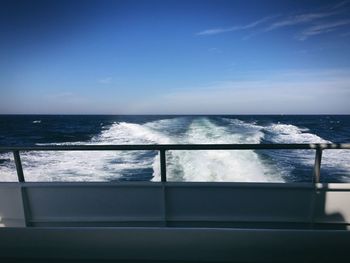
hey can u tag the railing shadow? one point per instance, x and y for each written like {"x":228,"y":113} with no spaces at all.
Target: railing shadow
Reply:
{"x":324,"y":216}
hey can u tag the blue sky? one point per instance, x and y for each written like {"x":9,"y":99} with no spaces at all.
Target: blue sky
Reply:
{"x":175,"y":57}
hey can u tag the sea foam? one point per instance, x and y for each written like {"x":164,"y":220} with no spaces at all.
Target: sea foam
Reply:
{"x":212,"y":165}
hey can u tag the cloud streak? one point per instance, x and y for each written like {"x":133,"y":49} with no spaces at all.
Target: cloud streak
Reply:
{"x":215,"y":31}
{"x":341,"y":4}
{"x":313,"y":23}
{"x":322,"y":28}
{"x":299,"y":19}
{"x":316,"y":23}
{"x":290,"y":92}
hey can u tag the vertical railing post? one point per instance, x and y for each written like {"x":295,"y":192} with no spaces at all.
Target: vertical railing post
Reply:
{"x":317,"y":166}
{"x":18,"y":166}
{"x":162,"y":165}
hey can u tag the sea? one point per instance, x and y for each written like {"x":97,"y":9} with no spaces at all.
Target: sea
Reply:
{"x":193,"y":166}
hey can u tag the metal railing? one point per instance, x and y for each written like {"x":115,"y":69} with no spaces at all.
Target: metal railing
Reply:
{"x":162,"y":148}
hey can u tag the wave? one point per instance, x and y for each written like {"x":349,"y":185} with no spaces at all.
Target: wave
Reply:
{"x":333,"y":161}
{"x":212,"y":165}
{"x":288,"y":133}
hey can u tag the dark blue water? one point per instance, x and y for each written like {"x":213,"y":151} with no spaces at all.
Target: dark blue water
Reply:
{"x":259,"y":166}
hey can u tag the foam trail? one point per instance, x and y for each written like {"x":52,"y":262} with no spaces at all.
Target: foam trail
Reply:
{"x":184,"y":165}
{"x":247,"y":132}
{"x":239,"y":166}
{"x":222,"y":165}
{"x":332,"y":160}
{"x":91,"y":165}
{"x":7,"y":168}
{"x":287,"y":133}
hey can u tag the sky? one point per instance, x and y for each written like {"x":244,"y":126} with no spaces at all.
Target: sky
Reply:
{"x":174,"y":57}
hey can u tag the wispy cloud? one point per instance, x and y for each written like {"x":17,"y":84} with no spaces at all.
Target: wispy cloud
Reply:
{"x":293,"y":92}
{"x":107,"y":80}
{"x":316,"y":23}
{"x":298,"y":19}
{"x":341,"y":4}
{"x":215,"y":31}
{"x":322,"y":28}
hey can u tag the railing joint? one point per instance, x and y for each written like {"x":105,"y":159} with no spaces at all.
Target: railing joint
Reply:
{"x":162,"y":165}
{"x":317,"y":166}
{"x":18,"y":164}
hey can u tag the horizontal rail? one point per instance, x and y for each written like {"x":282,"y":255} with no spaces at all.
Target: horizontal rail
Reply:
{"x":162,"y":148}
{"x":167,"y":147}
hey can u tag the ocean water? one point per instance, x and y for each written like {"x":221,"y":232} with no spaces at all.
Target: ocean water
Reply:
{"x":233,"y":166}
